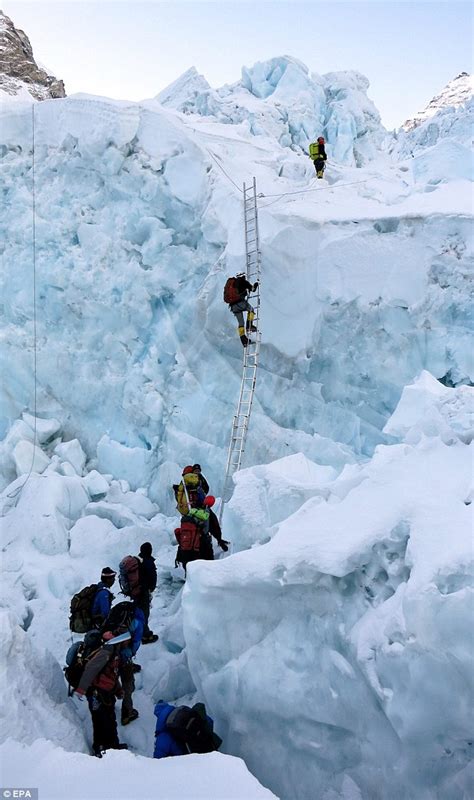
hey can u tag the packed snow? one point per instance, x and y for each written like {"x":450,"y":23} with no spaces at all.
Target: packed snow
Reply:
{"x":332,"y":643}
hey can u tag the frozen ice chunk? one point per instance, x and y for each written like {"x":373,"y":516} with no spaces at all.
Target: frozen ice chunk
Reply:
{"x":137,"y":502}
{"x":72,"y":452}
{"x":92,"y":536}
{"x":28,"y":456}
{"x":186,"y":179}
{"x":132,"y":463}
{"x":46,"y":429}
{"x":265,"y":495}
{"x":46,"y":507}
{"x":427,"y":408}
{"x":119,"y":514}
{"x":96,"y":484}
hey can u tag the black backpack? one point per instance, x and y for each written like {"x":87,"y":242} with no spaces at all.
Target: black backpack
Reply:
{"x":77,"y":657}
{"x":192,"y":729}
{"x":120,"y":618}
{"x":80,"y":619}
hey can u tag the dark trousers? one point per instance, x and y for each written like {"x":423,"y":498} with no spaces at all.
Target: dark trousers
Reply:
{"x":214,"y":527}
{"x":205,"y":548}
{"x":319,"y":166}
{"x":128,"y":685}
{"x":104,"y":724}
{"x":184,"y":557}
{"x":143,"y":602}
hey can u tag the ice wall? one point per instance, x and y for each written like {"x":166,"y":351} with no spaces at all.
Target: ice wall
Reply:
{"x":313,"y":648}
{"x":279,"y":98}
{"x":338,"y":654}
{"x":137,"y":228}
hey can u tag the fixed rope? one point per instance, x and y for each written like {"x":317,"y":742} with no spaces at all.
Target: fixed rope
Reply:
{"x":240,"y":424}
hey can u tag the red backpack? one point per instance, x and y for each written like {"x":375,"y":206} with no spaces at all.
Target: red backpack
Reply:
{"x":231,"y":295}
{"x":188,"y":536}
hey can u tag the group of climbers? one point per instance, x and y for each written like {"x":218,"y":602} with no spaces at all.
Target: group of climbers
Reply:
{"x":198,"y":521}
{"x":101,"y":668}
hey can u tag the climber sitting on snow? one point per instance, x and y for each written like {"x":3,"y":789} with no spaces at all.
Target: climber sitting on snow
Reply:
{"x":235,"y":294}
{"x":317,"y":154}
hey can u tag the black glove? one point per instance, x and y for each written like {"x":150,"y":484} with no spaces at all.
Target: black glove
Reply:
{"x":255,"y":286}
{"x":223,"y":545}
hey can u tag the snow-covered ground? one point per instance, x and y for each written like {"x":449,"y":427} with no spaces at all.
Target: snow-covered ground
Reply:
{"x":332,"y":646}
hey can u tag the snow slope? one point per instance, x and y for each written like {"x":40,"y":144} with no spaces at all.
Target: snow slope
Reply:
{"x":214,"y":776}
{"x":339,"y":623}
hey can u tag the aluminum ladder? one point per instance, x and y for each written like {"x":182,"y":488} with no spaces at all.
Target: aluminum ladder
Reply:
{"x":241,"y":420}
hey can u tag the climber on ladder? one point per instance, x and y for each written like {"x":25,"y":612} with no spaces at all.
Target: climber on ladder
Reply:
{"x":235,"y":295}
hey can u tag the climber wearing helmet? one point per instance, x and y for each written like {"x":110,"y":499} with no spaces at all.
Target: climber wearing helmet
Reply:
{"x":317,"y":154}
{"x":236,"y":290}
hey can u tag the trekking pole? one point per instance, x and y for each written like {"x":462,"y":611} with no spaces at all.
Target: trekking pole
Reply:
{"x":186,"y":494}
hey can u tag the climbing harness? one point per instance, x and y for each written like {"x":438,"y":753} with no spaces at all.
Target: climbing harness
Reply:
{"x":251,"y":351}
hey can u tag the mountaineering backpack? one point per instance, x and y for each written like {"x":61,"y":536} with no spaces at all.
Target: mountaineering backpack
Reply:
{"x":231,"y":295}
{"x":192,"y":731}
{"x":120,"y":618}
{"x":192,"y":490}
{"x":188,"y":536}
{"x":314,"y":150}
{"x":80,"y":619}
{"x":129,"y":576}
{"x":77,"y":657}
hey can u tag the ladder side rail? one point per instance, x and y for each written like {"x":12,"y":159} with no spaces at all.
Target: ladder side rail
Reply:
{"x":241,"y":420}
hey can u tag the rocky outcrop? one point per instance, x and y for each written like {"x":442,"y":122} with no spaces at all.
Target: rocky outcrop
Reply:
{"x":20,"y":75}
{"x":455,"y":94}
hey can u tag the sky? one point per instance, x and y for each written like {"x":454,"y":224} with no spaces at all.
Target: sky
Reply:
{"x":132,"y":50}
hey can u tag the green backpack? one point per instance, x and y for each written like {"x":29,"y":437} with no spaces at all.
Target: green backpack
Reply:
{"x":80,"y":619}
